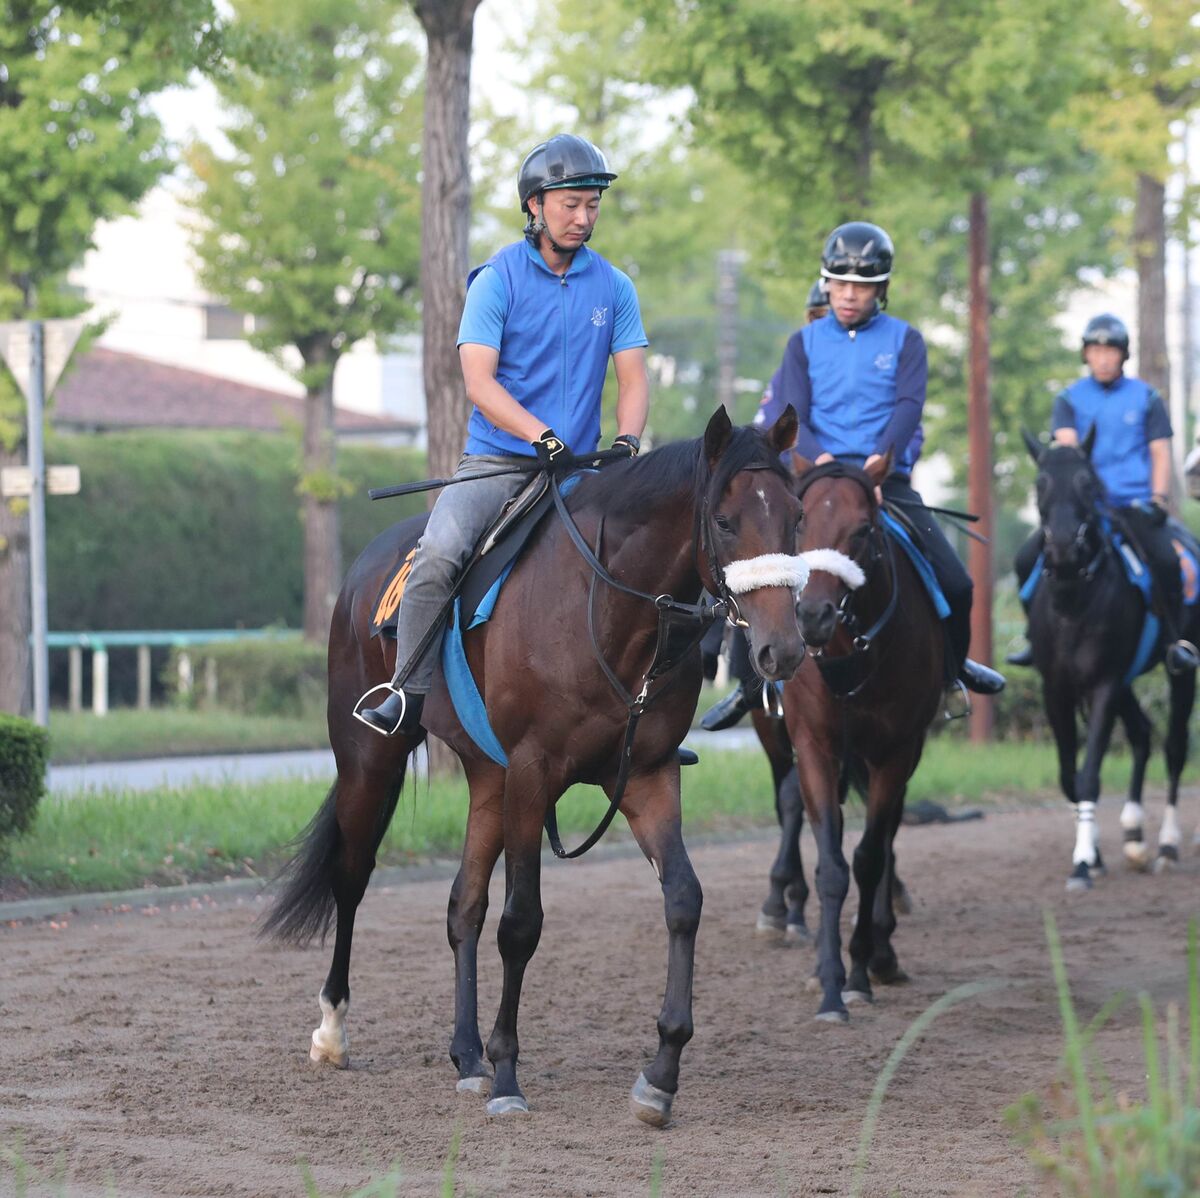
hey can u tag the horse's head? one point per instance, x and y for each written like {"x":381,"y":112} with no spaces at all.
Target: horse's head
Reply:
{"x":841,"y":539}
{"x":1069,"y":493}
{"x":748,"y":518}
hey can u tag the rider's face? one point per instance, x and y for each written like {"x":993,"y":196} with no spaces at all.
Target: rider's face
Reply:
{"x":1104,"y":361}
{"x":570,"y":214}
{"x":851,"y":301}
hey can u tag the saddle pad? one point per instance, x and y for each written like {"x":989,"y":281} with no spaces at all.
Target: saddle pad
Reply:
{"x":920,"y":562}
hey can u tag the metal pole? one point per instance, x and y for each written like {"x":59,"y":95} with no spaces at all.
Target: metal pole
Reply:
{"x":979,"y":438}
{"x":37,"y":523}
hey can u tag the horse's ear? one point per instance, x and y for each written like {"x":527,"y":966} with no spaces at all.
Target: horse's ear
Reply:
{"x":782,"y":434}
{"x":1088,"y":442}
{"x":878,"y":471}
{"x":1032,"y":444}
{"x":799,"y":463}
{"x":717,"y":434}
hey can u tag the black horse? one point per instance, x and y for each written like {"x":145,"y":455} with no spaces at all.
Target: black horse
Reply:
{"x":558,"y":666}
{"x":1086,"y":623}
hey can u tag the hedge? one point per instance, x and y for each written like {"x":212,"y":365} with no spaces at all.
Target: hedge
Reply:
{"x":255,"y":677}
{"x":24,"y":748}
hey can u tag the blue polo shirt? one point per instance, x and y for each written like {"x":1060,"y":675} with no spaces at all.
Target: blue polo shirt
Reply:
{"x":1128,"y":414}
{"x":555,"y":335}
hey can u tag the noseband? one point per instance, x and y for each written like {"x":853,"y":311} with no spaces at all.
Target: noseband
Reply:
{"x":1091,"y":524}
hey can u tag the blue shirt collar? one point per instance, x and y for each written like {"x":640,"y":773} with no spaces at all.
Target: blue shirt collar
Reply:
{"x":580,"y":263}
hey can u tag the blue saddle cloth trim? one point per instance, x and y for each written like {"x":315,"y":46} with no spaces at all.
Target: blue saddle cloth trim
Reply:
{"x":464,"y":694}
{"x":899,"y":534}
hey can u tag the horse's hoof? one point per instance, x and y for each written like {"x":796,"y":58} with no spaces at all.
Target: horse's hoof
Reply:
{"x":650,"y":1104}
{"x":1137,"y":855}
{"x":834,"y":1016}
{"x":473,"y":1085}
{"x":1167,"y":859}
{"x":853,"y":996}
{"x":1078,"y":883}
{"x":797,"y":933}
{"x":892,"y":976}
{"x":329,"y":1050}
{"x":770,"y":927}
{"x":510,"y":1104}
{"x":902,"y":903}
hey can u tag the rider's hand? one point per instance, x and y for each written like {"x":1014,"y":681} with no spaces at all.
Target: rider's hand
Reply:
{"x":552,"y":452}
{"x":1154,"y":511}
{"x":628,"y":443}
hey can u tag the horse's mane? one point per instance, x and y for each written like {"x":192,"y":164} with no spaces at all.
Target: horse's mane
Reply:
{"x":639,"y":485}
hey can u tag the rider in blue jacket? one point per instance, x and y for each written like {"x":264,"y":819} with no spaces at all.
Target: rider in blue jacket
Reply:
{"x":857,"y":381}
{"x":1132,"y":456}
{"x":542,"y":318}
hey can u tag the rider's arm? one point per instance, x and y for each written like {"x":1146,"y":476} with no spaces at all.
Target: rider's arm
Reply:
{"x":479,"y":364}
{"x":912,"y":374}
{"x":1062,"y":421}
{"x":1158,"y":437}
{"x":794,"y":387}
{"x":633,"y":391}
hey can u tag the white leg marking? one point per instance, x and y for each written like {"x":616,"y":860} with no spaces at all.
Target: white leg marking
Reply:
{"x":1085,"y":834}
{"x":1131,"y":816}
{"x":329,"y":1041}
{"x":1169,"y":833}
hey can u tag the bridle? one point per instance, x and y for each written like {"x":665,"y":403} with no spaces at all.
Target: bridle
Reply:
{"x":1085,"y":567}
{"x":846,"y":674}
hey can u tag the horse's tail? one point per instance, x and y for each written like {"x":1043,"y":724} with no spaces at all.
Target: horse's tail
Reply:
{"x":305,"y":906}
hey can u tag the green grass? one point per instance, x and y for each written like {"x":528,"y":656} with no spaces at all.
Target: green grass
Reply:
{"x":116,"y":841}
{"x":126,"y":733}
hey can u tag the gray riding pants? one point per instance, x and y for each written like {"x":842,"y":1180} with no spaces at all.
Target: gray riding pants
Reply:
{"x":461,"y":515}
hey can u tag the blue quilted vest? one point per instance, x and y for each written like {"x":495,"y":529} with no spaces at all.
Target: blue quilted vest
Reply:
{"x":1121,"y":454}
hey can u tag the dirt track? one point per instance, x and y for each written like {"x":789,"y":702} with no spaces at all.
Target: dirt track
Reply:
{"x":168,"y":1051}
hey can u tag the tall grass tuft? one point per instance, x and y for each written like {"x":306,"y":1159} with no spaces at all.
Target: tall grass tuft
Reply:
{"x":1091,"y":1140}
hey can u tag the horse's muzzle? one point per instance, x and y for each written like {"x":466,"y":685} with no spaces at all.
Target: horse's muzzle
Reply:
{"x":779,"y":658}
{"x":818,"y":620}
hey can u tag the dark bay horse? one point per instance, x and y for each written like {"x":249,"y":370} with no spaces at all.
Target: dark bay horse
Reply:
{"x":858,"y":711}
{"x":1086,"y":618}
{"x":684,"y":517}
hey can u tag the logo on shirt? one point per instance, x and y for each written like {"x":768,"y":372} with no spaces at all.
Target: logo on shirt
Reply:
{"x":884,"y":361}
{"x":1130,"y":417}
{"x":599,"y":316}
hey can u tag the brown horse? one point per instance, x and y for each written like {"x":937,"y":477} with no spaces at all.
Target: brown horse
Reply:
{"x":858,"y":710}
{"x":561,"y":641}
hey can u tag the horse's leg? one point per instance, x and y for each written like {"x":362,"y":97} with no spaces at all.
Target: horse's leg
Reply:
{"x":1183,"y":696}
{"x":885,"y":796}
{"x":883,"y":967}
{"x":520,"y":924}
{"x":1086,"y":861}
{"x":366,"y":797}
{"x":782,"y":914}
{"x":819,"y":786}
{"x":651,"y":805}
{"x":464,"y":918}
{"x":1137,"y":730}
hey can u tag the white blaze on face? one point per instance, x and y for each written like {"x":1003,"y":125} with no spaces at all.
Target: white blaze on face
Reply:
{"x":1085,"y":834}
{"x":765,"y":501}
{"x":329,"y":1041}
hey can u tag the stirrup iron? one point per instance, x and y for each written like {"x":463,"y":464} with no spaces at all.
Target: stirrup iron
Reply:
{"x":362,"y":702}
{"x":959,"y":688}
{"x":772,"y":699}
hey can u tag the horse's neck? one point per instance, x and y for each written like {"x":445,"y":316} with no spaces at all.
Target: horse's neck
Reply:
{"x":656,"y":551}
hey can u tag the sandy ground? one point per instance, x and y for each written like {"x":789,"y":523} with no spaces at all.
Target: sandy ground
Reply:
{"x":165,"y":1052}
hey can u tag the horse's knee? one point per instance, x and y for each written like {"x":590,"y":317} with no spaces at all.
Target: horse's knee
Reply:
{"x":465,"y":915}
{"x":519,"y":932}
{"x":683,"y":899}
{"x":833,"y":880}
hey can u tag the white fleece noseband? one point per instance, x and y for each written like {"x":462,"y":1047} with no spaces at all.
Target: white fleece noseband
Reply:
{"x":766,"y":570}
{"x":837,"y":564}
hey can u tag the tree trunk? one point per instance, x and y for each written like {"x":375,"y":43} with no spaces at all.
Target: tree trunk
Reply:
{"x":322,"y":543}
{"x":979,"y":434}
{"x":445,"y":221}
{"x":1150,"y":251}
{"x":16,"y":689}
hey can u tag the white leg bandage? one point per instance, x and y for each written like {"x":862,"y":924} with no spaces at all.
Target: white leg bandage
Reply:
{"x":767,"y":570}
{"x":1085,"y":834}
{"x":836,"y":563}
{"x":1131,"y":816}
{"x":1169,"y":834}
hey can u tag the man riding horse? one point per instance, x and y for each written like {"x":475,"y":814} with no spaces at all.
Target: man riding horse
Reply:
{"x":541,"y":319}
{"x":857,"y":381}
{"x":1132,"y":456}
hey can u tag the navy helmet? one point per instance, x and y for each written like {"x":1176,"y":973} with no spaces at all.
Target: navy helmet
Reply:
{"x":858,"y":252}
{"x":818,"y":297}
{"x":563,"y":161}
{"x":1107,"y":329}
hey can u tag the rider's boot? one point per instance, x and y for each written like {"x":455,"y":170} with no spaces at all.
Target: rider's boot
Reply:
{"x":980,"y":678}
{"x":1021,"y":657}
{"x":1182,"y":655}
{"x":399,"y":712}
{"x":730,"y":710}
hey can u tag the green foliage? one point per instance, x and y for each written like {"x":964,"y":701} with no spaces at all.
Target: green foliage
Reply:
{"x":312,"y":225}
{"x":198,"y":530}
{"x":259,"y":678}
{"x":23,"y":750}
{"x":1099,"y":1142}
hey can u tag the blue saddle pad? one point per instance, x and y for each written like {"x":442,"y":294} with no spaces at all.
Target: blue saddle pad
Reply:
{"x":464,"y":693}
{"x":1139,"y":576}
{"x":920,"y":562}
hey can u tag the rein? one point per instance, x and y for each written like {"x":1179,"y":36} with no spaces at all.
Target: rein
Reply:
{"x":846,"y":674}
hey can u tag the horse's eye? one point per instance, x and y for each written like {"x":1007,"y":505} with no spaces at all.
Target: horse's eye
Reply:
{"x":722,"y":522}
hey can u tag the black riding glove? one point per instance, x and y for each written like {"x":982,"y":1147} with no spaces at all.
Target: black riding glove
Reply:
{"x":1155,"y":513}
{"x":629,"y":443}
{"x":552,"y":452}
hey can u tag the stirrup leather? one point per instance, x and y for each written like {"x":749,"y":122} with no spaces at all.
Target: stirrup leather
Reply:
{"x":362,"y":702}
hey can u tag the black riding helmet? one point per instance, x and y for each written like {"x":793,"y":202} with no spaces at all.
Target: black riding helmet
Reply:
{"x":818,"y":297}
{"x":859,"y":252}
{"x":1106,"y":329}
{"x":563,"y":161}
